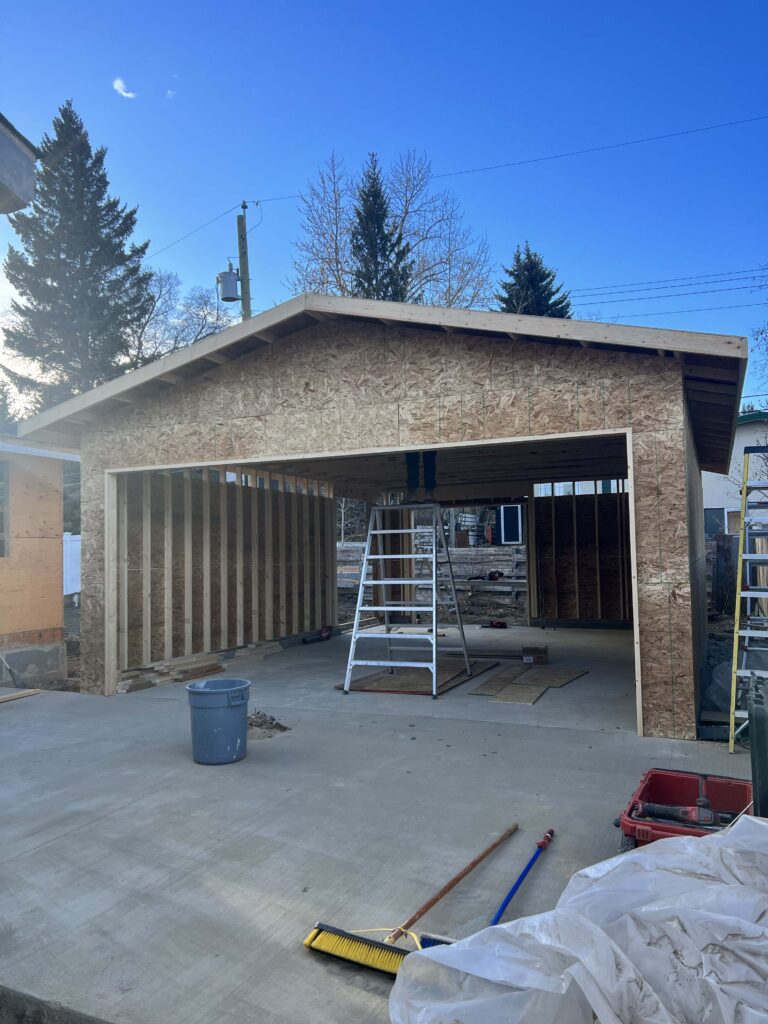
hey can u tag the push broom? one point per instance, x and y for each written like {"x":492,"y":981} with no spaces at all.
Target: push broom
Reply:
{"x":384,"y":955}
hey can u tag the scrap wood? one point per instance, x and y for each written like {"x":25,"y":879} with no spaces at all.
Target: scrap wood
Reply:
{"x":418,"y":681}
{"x":519,"y":693}
{"x":490,"y":687}
{"x":16,"y":694}
{"x":546,"y":675}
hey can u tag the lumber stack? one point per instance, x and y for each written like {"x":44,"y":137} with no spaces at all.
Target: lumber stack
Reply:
{"x":172,"y":670}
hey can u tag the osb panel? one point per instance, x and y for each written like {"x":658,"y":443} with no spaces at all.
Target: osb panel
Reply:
{"x":31,"y":569}
{"x":306,"y":394}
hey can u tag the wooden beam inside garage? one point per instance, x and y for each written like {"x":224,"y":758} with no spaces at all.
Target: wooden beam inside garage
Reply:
{"x":187,"y":561}
{"x":146,"y":568}
{"x":122,"y":547}
{"x":168,"y":564}
{"x":239,"y":561}
{"x":206,"y":492}
{"x":253,"y":481}
{"x":269,"y":561}
{"x":307,"y":624}
{"x":224,"y":552}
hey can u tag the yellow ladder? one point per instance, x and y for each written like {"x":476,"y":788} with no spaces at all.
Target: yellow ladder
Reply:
{"x":750,"y":627}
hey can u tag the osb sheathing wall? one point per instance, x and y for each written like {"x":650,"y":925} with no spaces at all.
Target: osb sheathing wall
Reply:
{"x":31,"y":587}
{"x":344,"y":386}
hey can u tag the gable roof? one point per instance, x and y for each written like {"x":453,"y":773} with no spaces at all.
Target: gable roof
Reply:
{"x":713,"y":364}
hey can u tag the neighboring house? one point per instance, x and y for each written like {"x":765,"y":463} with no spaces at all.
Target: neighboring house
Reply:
{"x":210,"y":476}
{"x":31,"y":600}
{"x":17,"y":168}
{"x":722,"y":491}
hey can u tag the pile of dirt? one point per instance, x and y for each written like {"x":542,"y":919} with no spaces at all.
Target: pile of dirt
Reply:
{"x":265,"y":724}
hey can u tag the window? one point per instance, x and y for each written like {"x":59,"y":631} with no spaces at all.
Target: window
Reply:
{"x":4,"y":518}
{"x":511,"y":524}
{"x":714,"y":521}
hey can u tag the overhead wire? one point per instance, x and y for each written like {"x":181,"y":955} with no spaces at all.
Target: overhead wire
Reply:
{"x":670,"y":312}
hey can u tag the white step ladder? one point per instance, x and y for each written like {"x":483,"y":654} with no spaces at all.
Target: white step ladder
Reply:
{"x":750,"y":629}
{"x":429,"y":546}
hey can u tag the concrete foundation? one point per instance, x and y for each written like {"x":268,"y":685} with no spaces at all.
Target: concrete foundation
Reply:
{"x":138,"y":887}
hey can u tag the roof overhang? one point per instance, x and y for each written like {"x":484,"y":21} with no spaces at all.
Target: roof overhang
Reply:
{"x":713,"y":365}
{"x":17,"y":168}
{"x":12,"y":445}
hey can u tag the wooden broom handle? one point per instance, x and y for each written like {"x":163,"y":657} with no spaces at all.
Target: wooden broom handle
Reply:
{"x":399,"y":932}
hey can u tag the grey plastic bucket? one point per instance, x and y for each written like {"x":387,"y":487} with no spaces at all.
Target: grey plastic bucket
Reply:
{"x":218,"y":709}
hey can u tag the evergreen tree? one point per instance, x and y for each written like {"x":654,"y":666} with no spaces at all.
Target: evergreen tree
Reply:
{"x":531,"y":287}
{"x":380,"y":265}
{"x":80,"y":280}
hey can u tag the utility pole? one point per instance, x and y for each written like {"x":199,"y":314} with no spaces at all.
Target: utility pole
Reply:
{"x":242,"y":250}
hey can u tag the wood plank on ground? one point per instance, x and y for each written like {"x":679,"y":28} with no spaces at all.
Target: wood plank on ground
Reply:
{"x":519,"y":693}
{"x":548,"y":675}
{"x":417,"y":680}
{"x":492,"y":686}
{"x":17,"y":694}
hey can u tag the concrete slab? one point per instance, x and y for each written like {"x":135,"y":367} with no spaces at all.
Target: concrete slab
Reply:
{"x":138,"y":887}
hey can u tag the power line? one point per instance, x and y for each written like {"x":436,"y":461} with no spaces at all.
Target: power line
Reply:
{"x":669,"y":280}
{"x":595,"y":296}
{"x":653,"y":298}
{"x":496,"y":167}
{"x":192,"y":232}
{"x":602,"y":149}
{"x":670,"y":312}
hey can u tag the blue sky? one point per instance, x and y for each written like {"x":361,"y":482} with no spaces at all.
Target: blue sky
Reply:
{"x":246,"y":101}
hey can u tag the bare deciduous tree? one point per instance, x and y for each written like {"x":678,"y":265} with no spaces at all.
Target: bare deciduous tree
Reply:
{"x":451,"y":265}
{"x":174,"y":322}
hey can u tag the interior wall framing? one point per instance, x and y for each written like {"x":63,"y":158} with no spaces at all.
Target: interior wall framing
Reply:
{"x":215,"y":558}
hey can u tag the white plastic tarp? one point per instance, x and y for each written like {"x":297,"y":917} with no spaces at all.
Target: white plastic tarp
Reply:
{"x":673,"y":933}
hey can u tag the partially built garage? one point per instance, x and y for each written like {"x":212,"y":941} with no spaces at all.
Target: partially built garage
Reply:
{"x":210,"y":477}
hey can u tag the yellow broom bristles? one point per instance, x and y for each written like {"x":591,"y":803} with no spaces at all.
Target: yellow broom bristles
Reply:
{"x":348,"y":946}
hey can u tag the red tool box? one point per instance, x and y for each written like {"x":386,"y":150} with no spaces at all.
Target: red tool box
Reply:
{"x":688,"y":794}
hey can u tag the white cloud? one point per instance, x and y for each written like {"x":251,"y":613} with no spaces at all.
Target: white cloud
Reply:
{"x":120,"y":88}
{"x":170,"y":93}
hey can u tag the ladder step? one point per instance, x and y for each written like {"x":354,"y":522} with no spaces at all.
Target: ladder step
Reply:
{"x":759,"y":634}
{"x":411,"y":581}
{"x":757,"y":485}
{"x":761,"y":673}
{"x":415,"y":529}
{"x":425,"y":608}
{"x":755,"y":558}
{"x":429,"y":555}
{"x":391,"y":664}
{"x":366,"y":634}
{"x":757,"y":595}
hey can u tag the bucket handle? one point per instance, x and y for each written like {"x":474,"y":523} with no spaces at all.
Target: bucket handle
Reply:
{"x":236,"y":696}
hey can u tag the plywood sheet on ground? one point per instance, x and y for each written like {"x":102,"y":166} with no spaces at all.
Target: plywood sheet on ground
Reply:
{"x":490,"y":687}
{"x":519,"y":693}
{"x":547,"y":675}
{"x":417,"y":680}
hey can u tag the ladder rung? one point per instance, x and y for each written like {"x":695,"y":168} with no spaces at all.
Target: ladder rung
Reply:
{"x":761,"y":673}
{"x":430,"y":555}
{"x":391,"y":664}
{"x":427,"y":609}
{"x":741,"y":715}
{"x":364,"y":635}
{"x":752,"y":557}
{"x":415,"y":529}
{"x":412,"y":581}
{"x":757,"y":484}
{"x":758,"y":595}
{"x":760,"y":634}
